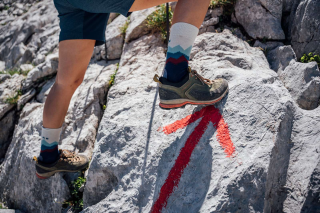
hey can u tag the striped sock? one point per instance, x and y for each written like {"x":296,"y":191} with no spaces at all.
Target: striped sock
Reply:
{"x":181,"y":39}
{"x":49,"y":145}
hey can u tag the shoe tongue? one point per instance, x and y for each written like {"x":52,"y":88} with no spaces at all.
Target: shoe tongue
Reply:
{"x":66,"y":153}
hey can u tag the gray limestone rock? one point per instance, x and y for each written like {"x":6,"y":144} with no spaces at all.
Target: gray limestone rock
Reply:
{"x":25,"y":98}
{"x":7,"y":125}
{"x":303,"y":82}
{"x":114,"y":41}
{"x":8,"y":89}
{"x":133,"y":156}
{"x":306,"y":28}
{"x":260,"y":19}
{"x":26,"y":67}
{"x":280,"y":57}
{"x":267,"y":46}
{"x":29,"y":37}
{"x":45,"y":89}
{"x":19,"y":186}
{"x":47,"y":68}
{"x":137,"y":26}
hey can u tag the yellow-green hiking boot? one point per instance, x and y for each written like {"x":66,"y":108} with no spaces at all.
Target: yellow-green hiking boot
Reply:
{"x":193,"y":89}
{"x":68,"y":162}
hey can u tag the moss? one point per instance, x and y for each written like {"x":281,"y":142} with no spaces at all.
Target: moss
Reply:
{"x":157,"y":21}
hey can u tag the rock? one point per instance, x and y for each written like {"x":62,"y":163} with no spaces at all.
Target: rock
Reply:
{"x":306,"y":28}
{"x":9,"y":88}
{"x":267,"y":46}
{"x":39,"y":59}
{"x":137,"y":26}
{"x":36,"y":30}
{"x":303,"y":82}
{"x":79,"y":131}
{"x":4,"y":77}
{"x":49,"y":67}
{"x":7,"y":126}
{"x":112,"y":16}
{"x":280,"y":57}
{"x":45,"y":89}
{"x":26,"y":67}
{"x":207,"y":26}
{"x":260,"y":19}
{"x":2,"y":65}
{"x":114,"y":41}
{"x":25,"y":98}
{"x":133,"y":156}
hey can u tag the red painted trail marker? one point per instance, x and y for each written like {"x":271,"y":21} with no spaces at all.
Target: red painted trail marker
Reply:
{"x":209,"y":113}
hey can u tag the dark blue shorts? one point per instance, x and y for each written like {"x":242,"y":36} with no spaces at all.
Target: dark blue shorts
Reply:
{"x":87,"y":19}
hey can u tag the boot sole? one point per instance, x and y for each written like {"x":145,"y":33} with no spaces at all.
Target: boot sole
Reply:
{"x":49,"y":174}
{"x":178,"y":105}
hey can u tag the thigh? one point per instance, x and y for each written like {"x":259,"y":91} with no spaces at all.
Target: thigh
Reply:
{"x":74,"y":58}
{"x":144,"y":4}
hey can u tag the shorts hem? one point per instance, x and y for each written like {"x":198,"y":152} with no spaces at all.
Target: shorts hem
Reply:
{"x":99,"y":41}
{"x":126,"y":8}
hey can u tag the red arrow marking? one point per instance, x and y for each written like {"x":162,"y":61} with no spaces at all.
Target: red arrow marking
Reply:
{"x":209,"y":113}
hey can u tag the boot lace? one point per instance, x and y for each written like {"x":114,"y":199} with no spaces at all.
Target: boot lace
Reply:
{"x":202,"y":79}
{"x":68,"y":156}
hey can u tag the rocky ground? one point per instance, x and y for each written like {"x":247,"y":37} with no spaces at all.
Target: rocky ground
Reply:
{"x":256,"y":151}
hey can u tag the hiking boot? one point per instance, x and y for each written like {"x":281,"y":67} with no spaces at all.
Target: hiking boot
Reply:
{"x":193,"y":89}
{"x":68,"y":162}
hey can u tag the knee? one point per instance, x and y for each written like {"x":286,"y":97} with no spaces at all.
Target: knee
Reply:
{"x":69,"y":83}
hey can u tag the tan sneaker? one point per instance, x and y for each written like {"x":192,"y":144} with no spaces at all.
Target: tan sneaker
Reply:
{"x":68,"y":162}
{"x":193,"y":89}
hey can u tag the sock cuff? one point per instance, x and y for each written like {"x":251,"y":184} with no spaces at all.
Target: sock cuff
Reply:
{"x":53,"y":135}
{"x":182,"y":29}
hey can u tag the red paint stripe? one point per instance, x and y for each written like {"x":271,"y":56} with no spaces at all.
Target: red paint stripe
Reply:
{"x":223,"y":137}
{"x":176,"y":61}
{"x":180,"y":124}
{"x":209,"y":113}
{"x":182,"y":161}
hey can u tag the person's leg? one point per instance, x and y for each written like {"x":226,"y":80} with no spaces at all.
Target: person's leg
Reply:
{"x":187,"y":11}
{"x":74,"y":57}
{"x":187,"y":19}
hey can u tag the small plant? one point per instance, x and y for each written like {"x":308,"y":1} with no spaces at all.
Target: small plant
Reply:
{"x":219,"y":3}
{"x":14,"y":99}
{"x":113,"y":76}
{"x":76,"y":195}
{"x":6,"y":7}
{"x":310,"y":57}
{"x":104,"y":107}
{"x":16,"y":71}
{"x":157,"y":21}
{"x":124,"y":28}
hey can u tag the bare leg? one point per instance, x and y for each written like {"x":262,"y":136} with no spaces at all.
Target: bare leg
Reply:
{"x":188,"y":11}
{"x":74,"y":57}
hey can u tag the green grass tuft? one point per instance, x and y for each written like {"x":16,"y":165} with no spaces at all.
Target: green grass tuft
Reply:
{"x":15,"y":71}
{"x":310,"y":57}
{"x":113,"y":76}
{"x":220,"y":3}
{"x":158,"y":19}
{"x":76,"y":200}
{"x":124,"y":28}
{"x":14,"y":99}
